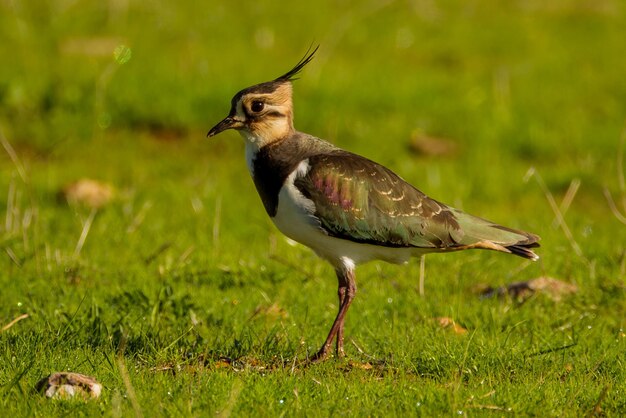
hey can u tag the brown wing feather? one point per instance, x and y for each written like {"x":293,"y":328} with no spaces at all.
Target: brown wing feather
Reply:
{"x":360,"y":200}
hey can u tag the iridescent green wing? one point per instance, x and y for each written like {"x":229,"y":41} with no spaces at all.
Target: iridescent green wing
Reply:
{"x":360,"y":200}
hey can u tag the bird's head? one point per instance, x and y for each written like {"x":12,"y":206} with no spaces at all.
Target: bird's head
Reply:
{"x":263,"y":113}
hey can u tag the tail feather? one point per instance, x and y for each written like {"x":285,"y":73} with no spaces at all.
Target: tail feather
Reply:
{"x":481,"y":233}
{"x":523,"y":250}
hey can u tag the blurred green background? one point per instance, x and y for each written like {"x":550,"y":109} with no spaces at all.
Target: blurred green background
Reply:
{"x":528,"y":82}
{"x":124,"y":92}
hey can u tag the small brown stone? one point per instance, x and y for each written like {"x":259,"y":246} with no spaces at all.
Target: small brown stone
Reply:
{"x":65,"y":385}
{"x":429,"y":146}
{"x":88,"y":192}
{"x":446,"y":322}
{"x":555,"y":289}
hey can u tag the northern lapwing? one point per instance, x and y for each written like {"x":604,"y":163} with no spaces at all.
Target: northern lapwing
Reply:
{"x":346,"y":208}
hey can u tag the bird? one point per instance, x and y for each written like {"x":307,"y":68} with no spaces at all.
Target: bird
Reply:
{"x":347,"y":208}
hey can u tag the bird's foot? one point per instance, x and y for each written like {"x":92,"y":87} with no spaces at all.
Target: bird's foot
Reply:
{"x":340,"y":352}
{"x":324,"y":354}
{"x":320,"y":355}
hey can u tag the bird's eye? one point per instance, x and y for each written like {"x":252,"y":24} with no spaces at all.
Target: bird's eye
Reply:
{"x":257,"y":106}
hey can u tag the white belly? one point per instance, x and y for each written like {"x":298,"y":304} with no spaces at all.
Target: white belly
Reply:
{"x":295,"y":219}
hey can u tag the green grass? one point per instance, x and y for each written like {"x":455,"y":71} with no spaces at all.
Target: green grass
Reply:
{"x":185,"y":301}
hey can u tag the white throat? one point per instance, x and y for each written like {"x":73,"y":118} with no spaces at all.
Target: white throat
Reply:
{"x":253,"y":145}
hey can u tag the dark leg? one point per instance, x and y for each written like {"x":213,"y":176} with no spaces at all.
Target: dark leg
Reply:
{"x":343,"y":289}
{"x":347,"y":290}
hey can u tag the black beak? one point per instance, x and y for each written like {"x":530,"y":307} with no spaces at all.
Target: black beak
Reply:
{"x":227,"y":123}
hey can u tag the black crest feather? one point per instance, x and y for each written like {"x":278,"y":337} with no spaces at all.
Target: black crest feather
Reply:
{"x":308,"y":56}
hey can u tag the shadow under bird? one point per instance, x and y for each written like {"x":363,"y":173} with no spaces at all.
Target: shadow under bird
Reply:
{"x":346,"y":208}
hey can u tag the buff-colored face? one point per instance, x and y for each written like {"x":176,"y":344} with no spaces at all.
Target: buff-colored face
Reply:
{"x":262,"y":113}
